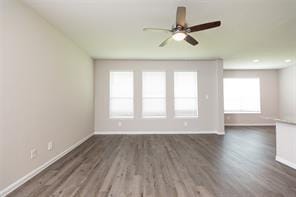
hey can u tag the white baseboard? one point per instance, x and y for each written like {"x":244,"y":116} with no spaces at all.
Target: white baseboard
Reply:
{"x":33,"y":173}
{"x":286,"y":162}
{"x":251,"y":125}
{"x":155,"y":132}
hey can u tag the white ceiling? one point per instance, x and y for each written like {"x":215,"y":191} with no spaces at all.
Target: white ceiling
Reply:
{"x":112,"y":29}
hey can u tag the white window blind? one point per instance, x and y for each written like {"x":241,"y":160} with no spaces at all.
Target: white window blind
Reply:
{"x":121,"y":102}
{"x":242,"y":95}
{"x":185,"y":94}
{"x":154,"y":94}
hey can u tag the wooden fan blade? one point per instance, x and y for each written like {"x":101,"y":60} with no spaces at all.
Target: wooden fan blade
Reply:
{"x":181,"y":15}
{"x":165,"y":42}
{"x":205,"y":26}
{"x":157,"y":29}
{"x":190,"y":40}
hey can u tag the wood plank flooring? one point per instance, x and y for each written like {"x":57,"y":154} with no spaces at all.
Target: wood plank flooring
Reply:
{"x":241,"y":163}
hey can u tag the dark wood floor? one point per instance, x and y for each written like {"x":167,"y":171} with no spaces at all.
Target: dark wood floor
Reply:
{"x":241,"y":163}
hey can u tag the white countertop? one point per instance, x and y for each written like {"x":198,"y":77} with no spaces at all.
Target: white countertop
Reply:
{"x":287,"y":120}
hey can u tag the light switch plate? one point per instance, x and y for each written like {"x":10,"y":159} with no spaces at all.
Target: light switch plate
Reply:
{"x":33,"y":153}
{"x":50,"y":146}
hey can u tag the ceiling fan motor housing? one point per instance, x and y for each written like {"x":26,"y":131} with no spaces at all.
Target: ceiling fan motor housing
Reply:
{"x":180,"y":30}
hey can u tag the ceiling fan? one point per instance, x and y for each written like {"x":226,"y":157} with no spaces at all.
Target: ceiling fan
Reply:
{"x":181,"y":31}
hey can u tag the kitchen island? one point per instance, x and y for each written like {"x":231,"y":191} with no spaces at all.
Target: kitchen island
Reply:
{"x":286,"y":141}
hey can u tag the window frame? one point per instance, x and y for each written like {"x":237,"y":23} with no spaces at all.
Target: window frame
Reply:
{"x":164,"y":98}
{"x":244,"y":112}
{"x":196,"y":98}
{"x":132,"y":98}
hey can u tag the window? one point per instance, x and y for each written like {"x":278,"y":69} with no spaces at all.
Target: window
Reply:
{"x":121,"y":104}
{"x":154,"y":95}
{"x":242,"y":95}
{"x":185,"y":94}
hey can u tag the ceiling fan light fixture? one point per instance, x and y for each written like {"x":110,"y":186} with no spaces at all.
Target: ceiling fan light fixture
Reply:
{"x":179,"y":36}
{"x":180,"y":31}
{"x":288,"y":60}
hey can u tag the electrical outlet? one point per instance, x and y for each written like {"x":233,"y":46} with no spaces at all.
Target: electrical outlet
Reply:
{"x":119,"y":124}
{"x":50,"y":146}
{"x":185,"y":124}
{"x":33,"y":153}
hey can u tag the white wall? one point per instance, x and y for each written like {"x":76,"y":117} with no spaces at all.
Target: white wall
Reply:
{"x":1,"y":91}
{"x":287,"y":83}
{"x":48,"y":92}
{"x":210,"y":75}
{"x":269,"y":97}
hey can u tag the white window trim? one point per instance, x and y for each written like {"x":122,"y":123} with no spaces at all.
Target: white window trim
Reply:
{"x":121,"y":117}
{"x":165,"y":96}
{"x":260,"y":97}
{"x":154,"y":117}
{"x":133,"y":98}
{"x":242,"y":112}
{"x":197,"y":96}
{"x":186,"y":117}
